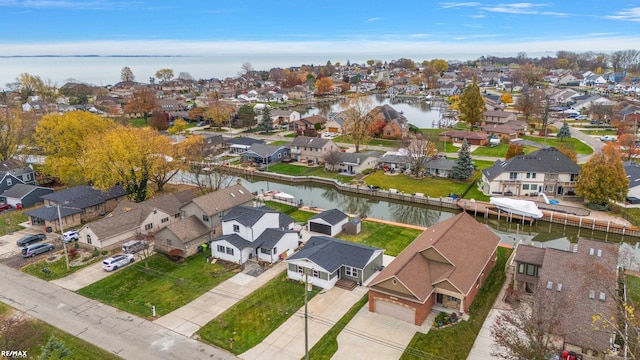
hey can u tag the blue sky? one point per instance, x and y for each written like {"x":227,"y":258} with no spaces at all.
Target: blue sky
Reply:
{"x":381,"y":29}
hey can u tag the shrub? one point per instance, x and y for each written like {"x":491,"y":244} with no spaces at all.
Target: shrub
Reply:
{"x":95,"y":252}
{"x":73,"y":253}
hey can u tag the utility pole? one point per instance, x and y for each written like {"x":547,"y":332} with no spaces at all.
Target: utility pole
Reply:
{"x":306,"y":316}
{"x":64,"y":244}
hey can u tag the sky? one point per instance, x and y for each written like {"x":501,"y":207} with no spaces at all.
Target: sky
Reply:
{"x":377,"y":29}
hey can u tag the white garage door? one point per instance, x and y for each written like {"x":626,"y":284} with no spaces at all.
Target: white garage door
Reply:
{"x":395,"y":311}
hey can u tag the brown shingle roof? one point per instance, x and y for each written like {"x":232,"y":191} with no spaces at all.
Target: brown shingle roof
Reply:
{"x":463,"y":247}
{"x":223,"y":199}
{"x":529,"y":254}
{"x":188,"y":229}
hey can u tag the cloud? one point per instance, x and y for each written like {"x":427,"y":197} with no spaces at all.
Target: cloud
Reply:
{"x":632,"y":14}
{"x":515,"y":8}
{"x":478,"y":16}
{"x":450,"y":5}
{"x":373,"y":19}
{"x":419,"y":36}
{"x":68,"y":4}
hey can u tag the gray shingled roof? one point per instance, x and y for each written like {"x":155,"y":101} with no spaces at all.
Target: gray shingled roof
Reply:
{"x":439,"y":163}
{"x":19,"y":190}
{"x":309,"y":141}
{"x":633,"y":173}
{"x":223,"y":199}
{"x":270,"y":238}
{"x":331,"y":254}
{"x":265,"y":150}
{"x":50,"y":213}
{"x":549,"y":160}
{"x":332,"y":216}
{"x":84,"y":196}
{"x":352,"y":158}
{"x":244,"y":141}
{"x":235,"y":240}
{"x":188,"y":229}
{"x":248,"y":216}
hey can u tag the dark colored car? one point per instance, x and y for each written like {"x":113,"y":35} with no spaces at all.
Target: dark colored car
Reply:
{"x":4,"y":207}
{"x":30,"y":239}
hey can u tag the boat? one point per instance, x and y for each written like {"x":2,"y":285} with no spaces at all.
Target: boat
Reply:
{"x":517,"y":207}
{"x":282,"y":196}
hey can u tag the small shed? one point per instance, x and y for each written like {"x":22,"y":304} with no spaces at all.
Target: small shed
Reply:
{"x":328,"y":222}
{"x":353,"y":226}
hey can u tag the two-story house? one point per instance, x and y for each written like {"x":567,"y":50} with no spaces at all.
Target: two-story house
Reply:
{"x":564,"y":281}
{"x":284,"y":118}
{"x":311,"y":150}
{"x":546,"y":171}
{"x":13,"y":172}
{"x":261,"y":232}
{"x":498,"y":116}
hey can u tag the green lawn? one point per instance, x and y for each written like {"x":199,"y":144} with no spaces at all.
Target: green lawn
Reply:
{"x":579,"y":146}
{"x":372,"y":142}
{"x":39,"y":332}
{"x":434,"y":135}
{"x":58,"y":268}
{"x":499,"y":151}
{"x":256,"y":316}
{"x":483,"y":164}
{"x":389,"y":237}
{"x":476,"y":194}
{"x":633,"y":289}
{"x":600,"y":132}
{"x":434,"y":187}
{"x":302,"y":170}
{"x":455,"y":342}
{"x":279,"y":142}
{"x":165,"y":284}
{"x":9,"y":221}
{"x":299,"y":216}
{"x":137,"y":122}
{"x":328,"y":343}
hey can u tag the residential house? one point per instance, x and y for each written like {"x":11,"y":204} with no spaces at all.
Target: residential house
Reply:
{"x":76,"y":205}
{"x":211,"y":207}
{"x":283,"y":118}
{"x":131,"y":220}
{"x":239,"y":145}
{"x":585,"y":104}
{"x":213,"y":144}
{"x":444,"y":267}
{"x":396,"y":125}
{"x":394,"y":160}
{"x":329,"y":222}
{"x":498,"y":116}
{"x":260,"y":232}
{"x":184,"y":236}
{"x":311,"y":150}
{"x":335,"y":124}
{"x":570,"y":80}
{"x":633,"y":174}
{"x":511,"y":129}
{"x":355,"y":163}
{"x":24,"y":196}
{"x":448,"y":89}
{"x":458,"y":136}
{"x":564,"y":281}
{"x":546,"y":170}
{"x":309,"y":123}
{"x":438,"y":166}
{"x":264,"y":155}
{"x":14,"y":172}
{"x":325,"y":261}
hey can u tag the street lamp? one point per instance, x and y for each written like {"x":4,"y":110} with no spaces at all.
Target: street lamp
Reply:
{"x":64,"y":244}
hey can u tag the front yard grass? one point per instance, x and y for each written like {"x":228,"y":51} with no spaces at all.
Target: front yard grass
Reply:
{"x":372,"y":142}
{"x":328,"y":343}
{"x":165,"y":284}
{"x":389,"y":237}
{"x":279,"y":142}
{"x":455,"y":342}
{"x":58,"y":268}
{"x":434,"y":187}
{"x":499,"y":151}
{"x":14,"y":217}
{"x":578,"y":146}
{"x":300,"y":216}
{"x":253,"y":318}
{"x":303,"y":170}
{"x":37,"y":334}
{"x":633,"y":289}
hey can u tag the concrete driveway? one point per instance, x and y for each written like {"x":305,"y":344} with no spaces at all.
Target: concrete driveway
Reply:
{"x":82,"y":278}
{"x":324,"y":310}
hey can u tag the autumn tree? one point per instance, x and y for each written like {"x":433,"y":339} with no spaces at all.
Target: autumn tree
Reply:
{"x":357,"y":119}
{"x":165,"y":75}
{"x":419,"y":150}
{"x":16,"y":128}
{"x":514,"y":150}
{"x":439,"y":65}
{"x":179,"y":125}
{"x":528,"y":102}
{"x":126,"y":74}
{"x":628,"y":144}
{"x":376,"y":126}
{"x":207,"y":177}
{"x":530,"y":74}
{"x":472,"y":105}
{"x":601,"y":112}
{"x":381,"y":85}
{"x":219,"y":113}
{"x":196,"y":113}
{"x":603,"y":178}
{"x":464,"y":168}
{"x":569,"y":151}
{"x":159,"y":120}
{"x":565,"y":132}
{"x":62,"y":140}
{"x":34,"y":85}
{"x":183,"y":75}
{"x":506,"y":98}
{"x":132,"y":157}
{"x":144,"y":101}
{"x":324,"y":86}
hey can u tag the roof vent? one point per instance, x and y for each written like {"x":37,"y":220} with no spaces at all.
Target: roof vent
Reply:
{"x":575,"y":248}
{"x":232,"y":194}
{"x":591,"y":252}
{"x":559,"y":287}
{"x":602,"y":296}
{"x":599,"y":252}
{"x":549,"y":285}
{"x":592,"y":294}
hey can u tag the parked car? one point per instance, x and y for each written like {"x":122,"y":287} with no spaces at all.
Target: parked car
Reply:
{"x":596,"y":122}
{"x":35,"y":249}
{"x":117,"y":261}
{"x":70,"y":236}
{"x":30,"y":239}
{"x":4,"y":207}
{"x":581,"y":117}
{"x":133,"y":246}
{"x":607,"y":138}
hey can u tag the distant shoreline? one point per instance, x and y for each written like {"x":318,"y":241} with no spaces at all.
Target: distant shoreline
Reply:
{"x":90,"y":56}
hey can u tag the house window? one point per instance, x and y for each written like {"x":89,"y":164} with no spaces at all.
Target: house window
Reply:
{"x":300,"y":270}
{"x":513,"y":175}
{"x":531,"y":270}
{"x":168,"y":242}
{"x":220,"y":249}
{"x":27,"y":177}
{"x":88,"y":239}
{"x":9,"y":182}
{"x":221,"y":214}
{"x":525,"y":186}
{"x":205,"y":218}
{"x":521,"y":268}
{"x":531,"y":175}
{"x":230,"y":251}
{"x":574,"y":177}
{"x":350,"y":271}
{"x":602,"y":296}
{"x":164,"y":220}
{"x":265,"y":251}
{"x":316,"y":273}
{"x":148,"y":226}
{"x":592,"y":294}
{"x":236,"y":228}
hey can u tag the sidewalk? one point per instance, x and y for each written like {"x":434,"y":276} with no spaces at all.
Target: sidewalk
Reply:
{"x":191,"y":317}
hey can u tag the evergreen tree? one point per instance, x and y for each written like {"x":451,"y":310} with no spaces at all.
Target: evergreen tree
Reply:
{"x":463,"y":169}
{"x":267,"y":122}
{"x":246,"y":116}
{"x":55,"y":349}
{"x":565,"y":132}
{"x":472,"y":104}
{"x":603,"y":178}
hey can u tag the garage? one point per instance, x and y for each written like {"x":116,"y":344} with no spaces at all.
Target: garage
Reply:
{"x":395,"y":311}
{"x":320,"y":228}
{"x":332,"y":130}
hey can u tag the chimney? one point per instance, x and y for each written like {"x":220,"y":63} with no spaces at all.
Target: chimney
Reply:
{"x":239,"y":181}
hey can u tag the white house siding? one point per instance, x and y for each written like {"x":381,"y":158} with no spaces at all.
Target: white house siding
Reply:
{"x":156,"y":221}
{"x":238,"y":256}
{"x":327,"y":283}
{"x":106,"y":243}
{"x":286,"y":246}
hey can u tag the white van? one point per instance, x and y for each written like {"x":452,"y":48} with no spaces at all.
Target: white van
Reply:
{"x":133,"y":246}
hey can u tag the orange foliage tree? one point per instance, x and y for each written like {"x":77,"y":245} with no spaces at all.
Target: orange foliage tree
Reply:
{"x":324,"y":86}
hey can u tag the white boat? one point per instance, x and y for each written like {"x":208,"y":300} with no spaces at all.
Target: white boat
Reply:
{"x":282,"y":196}
{"x":517,"y":207}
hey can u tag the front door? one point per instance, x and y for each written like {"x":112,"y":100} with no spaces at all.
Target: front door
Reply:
{"x":438,"y":298}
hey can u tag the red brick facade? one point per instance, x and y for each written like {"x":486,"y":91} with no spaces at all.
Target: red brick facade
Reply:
{"x":422,"y":310}
{"x":483,"y":278}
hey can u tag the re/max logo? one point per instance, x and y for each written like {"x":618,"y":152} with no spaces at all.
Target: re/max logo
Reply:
{"x":13,"y":354}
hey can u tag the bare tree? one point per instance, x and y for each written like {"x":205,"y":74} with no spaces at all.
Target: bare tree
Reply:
{"x":357,"y":119}
{"x":247,"y":68}
{"x":332,"y":158}
{"x":419,"y":150}
{"x":126,"y":74}
{"x":207,"y":176}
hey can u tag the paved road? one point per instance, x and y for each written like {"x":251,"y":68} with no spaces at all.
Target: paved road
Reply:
{"x":124,"y":334}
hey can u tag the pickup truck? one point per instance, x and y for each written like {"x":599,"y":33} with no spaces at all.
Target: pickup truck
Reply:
{"x":607,"y":138}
